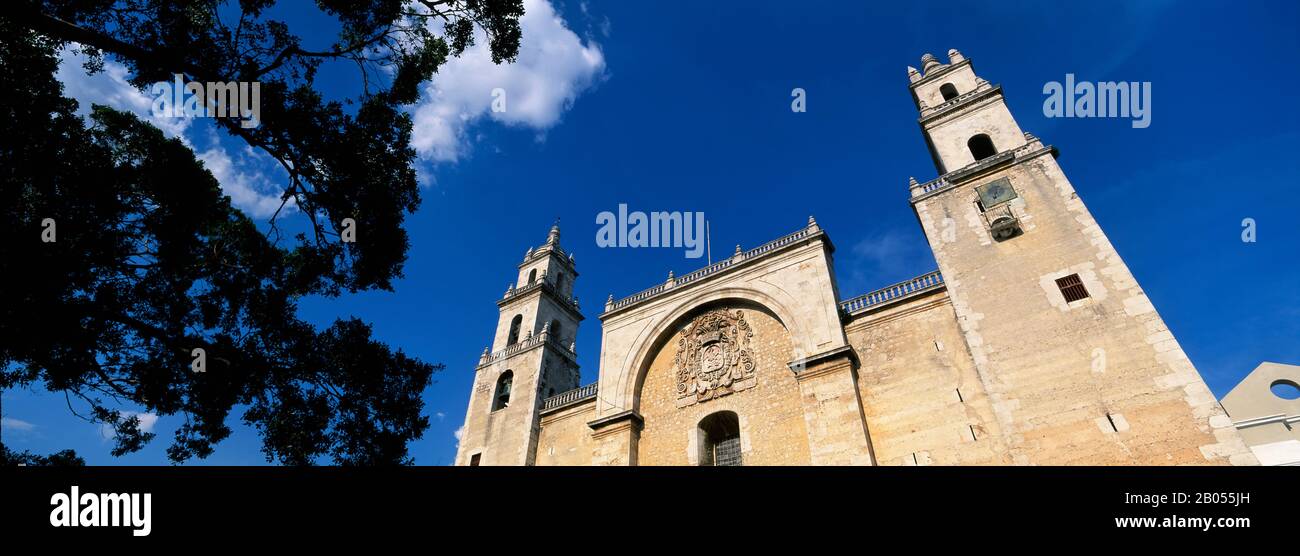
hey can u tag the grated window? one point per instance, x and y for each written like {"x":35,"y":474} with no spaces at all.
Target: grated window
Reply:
{"x":1072,"y":288}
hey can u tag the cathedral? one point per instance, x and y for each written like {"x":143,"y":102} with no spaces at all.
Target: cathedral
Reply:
{"x":1031,"y":344}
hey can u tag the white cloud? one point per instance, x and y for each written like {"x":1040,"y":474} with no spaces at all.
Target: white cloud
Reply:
{"x":884,"y":256}
{"x":18,"y":425}
{"x":110,"y":88}
{"x":459,"y":434}
{"x":147,"y":421}
{"x":249,"y":190}
{"x":441,"y":415}
{"x":553,"y":68}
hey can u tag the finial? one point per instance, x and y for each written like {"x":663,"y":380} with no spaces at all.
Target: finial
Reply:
{"x":811,"y":221}
{"x":670,"y":276}
{"x":529,"y":253}
{"x":610,"y":301}
{"x":911,"y":181}
{"x":928,"y":62}
{"x":573,"y":347}
{"x":954,"y":56}
{"x":737,"y":248}
{"x":546,"y":327}
{"x":554,"y":237}
{"x":486,"y":350}
{"x":912,"y":75}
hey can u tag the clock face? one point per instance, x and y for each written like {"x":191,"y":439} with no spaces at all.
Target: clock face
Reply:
{"x":995,"y":192}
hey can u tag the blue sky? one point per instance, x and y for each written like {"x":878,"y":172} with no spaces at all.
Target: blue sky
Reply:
{"x":686,"y":106}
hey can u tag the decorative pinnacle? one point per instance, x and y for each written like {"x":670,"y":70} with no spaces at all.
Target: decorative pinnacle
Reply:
{"x":610,"y":301}
{"x":911,"y":181}
{"x":929,"y":62}
{"x":737,"y":248}
{"x":670,"y":276}
{"x":554,"y":236}
{"x":811,"y":221}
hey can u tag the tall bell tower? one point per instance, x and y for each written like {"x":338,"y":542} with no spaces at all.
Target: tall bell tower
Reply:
{"x":531,"y":358}
{"x":1078,"y":364}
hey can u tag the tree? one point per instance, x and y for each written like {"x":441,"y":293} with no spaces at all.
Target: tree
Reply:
{"x":65,"y":458}
{"x":150,"y":262}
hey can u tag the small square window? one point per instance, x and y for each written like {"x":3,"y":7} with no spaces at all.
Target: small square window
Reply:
{"x":1072,"y":288}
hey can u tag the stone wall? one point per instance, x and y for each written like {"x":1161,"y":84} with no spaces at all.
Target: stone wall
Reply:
{"x":771,"y":415}
{"x":504,"y":436}
{"x":565,"y":438}
{"x":1099,"y":381}
{"x":923,"y":401}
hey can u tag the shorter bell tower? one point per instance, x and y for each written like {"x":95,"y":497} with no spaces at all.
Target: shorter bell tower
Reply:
{"x":532,"y":357}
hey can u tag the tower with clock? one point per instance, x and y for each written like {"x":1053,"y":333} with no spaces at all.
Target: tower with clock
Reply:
{"x":1063,"y":338}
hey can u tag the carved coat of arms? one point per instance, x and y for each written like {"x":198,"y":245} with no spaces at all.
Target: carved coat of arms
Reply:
{"x":714,"y":357}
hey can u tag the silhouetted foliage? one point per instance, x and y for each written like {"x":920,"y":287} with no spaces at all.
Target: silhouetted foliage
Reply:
{"x":151,"y":260}
{"x":65,"y":458}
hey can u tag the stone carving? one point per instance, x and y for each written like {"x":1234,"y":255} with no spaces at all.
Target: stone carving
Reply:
{"x":714,"y":357}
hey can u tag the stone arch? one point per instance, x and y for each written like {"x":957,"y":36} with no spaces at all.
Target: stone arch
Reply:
{"x":949,"y":91}
{"x":662,"y":329}
{"x":981,"y":147}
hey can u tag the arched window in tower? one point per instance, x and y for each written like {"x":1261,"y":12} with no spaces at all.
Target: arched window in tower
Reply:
{"x":719,"y":435}
{"x":502,"y":398}
{"x":532,"y":276}
{"x":555,"y":330}
{"x":948,"y":91}
{"x":515,"y":324}
{"x":981,"y":147}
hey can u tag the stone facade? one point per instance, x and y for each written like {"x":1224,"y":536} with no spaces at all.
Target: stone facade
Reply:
{"x":1032,"y":344}
{"x":1265,"y":408}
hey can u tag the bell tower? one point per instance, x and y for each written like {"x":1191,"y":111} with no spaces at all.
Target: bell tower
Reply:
{"x":1079,"y":366}
{"x":531,"y":358}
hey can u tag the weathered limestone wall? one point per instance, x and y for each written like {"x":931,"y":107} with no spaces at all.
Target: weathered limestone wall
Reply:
{"x":771,"y":414}
{"x":504,"y":436}
{"x":565,"y":438}
{"x":922,"y":397}
{"x":832,"y":410}
{"x":1100,"y":381}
